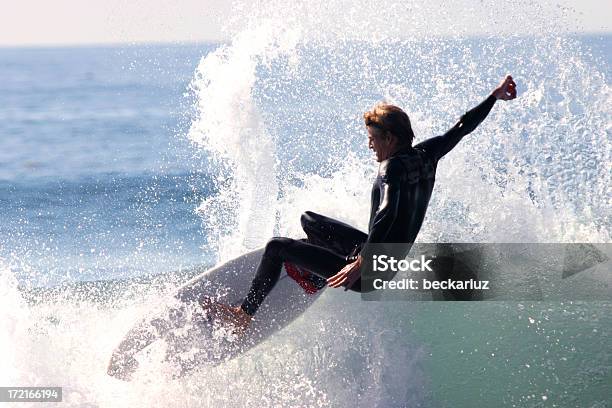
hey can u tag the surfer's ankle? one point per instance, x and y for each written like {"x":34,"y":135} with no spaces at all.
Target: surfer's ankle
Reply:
{"x":243,"y":313}
{"x":234,"y":315}
{"x":241,"y":318}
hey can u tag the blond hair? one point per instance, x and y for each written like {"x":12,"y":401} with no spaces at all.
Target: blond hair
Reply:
{"x":391,"y":118}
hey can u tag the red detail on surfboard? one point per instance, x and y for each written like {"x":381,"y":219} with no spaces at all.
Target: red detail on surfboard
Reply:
{"x":300,"y":276}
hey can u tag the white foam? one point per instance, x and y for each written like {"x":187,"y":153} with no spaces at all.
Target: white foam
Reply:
{"x":537,"y":170}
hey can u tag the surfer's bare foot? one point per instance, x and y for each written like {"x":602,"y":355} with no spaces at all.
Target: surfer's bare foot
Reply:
{"x":229,"y":314}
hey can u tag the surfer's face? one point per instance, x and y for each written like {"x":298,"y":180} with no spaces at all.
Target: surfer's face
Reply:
{"x":383,"y":143}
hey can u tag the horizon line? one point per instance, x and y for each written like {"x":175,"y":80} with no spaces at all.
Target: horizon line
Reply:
{"x":116,"y":44}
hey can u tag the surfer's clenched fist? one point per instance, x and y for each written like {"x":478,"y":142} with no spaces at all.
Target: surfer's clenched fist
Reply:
{"x":506,"y":90}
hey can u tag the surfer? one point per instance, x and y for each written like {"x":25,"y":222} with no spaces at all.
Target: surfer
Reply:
{"x":400,"y":196}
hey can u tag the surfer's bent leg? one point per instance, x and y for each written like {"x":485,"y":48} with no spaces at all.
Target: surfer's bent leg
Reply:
{"x":330,"y":233}
{"x":321,"y":261}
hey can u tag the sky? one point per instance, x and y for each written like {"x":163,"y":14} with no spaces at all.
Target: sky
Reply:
{"x":64,"y":22}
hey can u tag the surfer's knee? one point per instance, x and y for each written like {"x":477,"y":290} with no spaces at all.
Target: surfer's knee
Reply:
{"x":313,"y":225}
{"x":308,"y":219}
{"x":275,"y":246}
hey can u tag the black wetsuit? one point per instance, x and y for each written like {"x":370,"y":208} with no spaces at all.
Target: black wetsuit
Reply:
{"x":400,"y":197}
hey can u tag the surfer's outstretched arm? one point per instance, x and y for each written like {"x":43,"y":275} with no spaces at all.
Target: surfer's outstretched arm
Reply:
{"x":440,"y":145}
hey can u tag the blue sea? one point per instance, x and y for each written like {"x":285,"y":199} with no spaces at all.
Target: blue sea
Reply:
{"x":133,"y":165}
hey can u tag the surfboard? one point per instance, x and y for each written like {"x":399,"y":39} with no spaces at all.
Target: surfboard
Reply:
{"x":531,"y":272}
{"x":193,"y":339}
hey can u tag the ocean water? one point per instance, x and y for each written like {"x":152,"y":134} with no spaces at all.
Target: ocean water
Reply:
{"x":123,"y":169}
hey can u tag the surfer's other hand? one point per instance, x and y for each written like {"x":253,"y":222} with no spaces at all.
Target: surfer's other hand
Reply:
{"x":506,"y":90}
{"x":348,"y":275}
